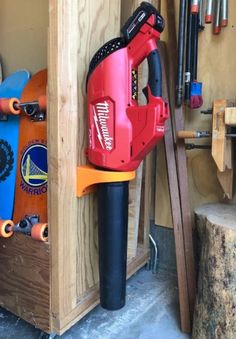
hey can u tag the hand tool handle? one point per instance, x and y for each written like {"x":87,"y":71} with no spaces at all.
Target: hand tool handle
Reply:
{"x":193,"y":134}
{"x":189,"y":147}
{"x":112,"y":234}
{"x":194,"y":47}
{"x":224,"y":13}
{"x":188,"y":54}
{"x":209,"y":9}
{"x":155,"y":74}
{"x":186,"y":134}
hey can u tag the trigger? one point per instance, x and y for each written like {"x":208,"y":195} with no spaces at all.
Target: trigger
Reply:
{"x":145,"y":92}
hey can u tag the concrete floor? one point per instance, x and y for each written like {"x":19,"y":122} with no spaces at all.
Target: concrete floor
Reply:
{"x":151,"y":312}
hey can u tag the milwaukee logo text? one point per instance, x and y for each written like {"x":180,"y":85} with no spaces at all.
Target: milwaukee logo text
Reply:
{"x":103,"y":124}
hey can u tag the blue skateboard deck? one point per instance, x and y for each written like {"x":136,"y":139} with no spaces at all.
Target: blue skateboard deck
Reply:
{"x":11,"y":87}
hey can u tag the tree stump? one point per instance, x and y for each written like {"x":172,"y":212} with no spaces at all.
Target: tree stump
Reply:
{"x":215,"y":309}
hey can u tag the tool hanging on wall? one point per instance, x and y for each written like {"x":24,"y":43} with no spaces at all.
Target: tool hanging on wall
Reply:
{"x":181,"y":48}
{"x":193,"y":134}
{"x":188,"y":54}
{"x":190,"y":147}
{"x":217,"y":13}
{"x":216,"y":18}
{"x":201,"y":21}
{"x":121,"y":133}
{"x":224,"y":13}
{"x":196,"y":100}
{"x":195,"y":6}
{"x":209,"y":12}
{"x":193,"y":88}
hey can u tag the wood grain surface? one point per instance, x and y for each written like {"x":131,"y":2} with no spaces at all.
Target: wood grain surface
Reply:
{"x":77,"y":30}
{"x":163,"y":215}
{"x":24,"y":276}
{"x":216,"y":68}
{"x":214,"y":315}
{"x":23,"y":23}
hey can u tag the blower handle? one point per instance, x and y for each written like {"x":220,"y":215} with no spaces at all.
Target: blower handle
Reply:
{"x":154,"y":87}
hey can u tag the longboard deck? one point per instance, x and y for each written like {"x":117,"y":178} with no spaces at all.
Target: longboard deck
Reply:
{"x":12,"y":86}
{"x":31,"y":182}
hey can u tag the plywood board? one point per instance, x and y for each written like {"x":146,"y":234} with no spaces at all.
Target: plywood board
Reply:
{"x":23,"y":35}
{"x":163,"y":215}
{"x":24,"y":279}
{"x":134,"y":211}
{"x":81,"y":27}
{"x":216,"y":70}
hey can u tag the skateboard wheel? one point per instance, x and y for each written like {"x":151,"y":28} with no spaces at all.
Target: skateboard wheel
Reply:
{"x":6,"y":227}
{"x":42,"y":100}
{"x":40,"y":232}
{"x":9,"y":106}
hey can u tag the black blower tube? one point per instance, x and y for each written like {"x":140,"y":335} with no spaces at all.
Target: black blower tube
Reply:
{"x":112,"y":237}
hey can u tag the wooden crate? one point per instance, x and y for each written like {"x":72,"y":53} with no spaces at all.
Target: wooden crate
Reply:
{"x":52,"y":285}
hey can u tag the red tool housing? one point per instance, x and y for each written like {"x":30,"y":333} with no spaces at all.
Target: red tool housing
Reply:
{"x":121,"y":132}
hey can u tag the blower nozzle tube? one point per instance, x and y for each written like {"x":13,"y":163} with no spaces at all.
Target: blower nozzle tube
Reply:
{"x":112,"y":234}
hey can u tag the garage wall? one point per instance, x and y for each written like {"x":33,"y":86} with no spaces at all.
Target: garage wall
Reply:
{"x":23,"y":35}
{"x":216,"y":69}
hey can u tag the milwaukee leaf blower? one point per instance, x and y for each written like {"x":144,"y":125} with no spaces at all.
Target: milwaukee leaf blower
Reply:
{"x":121,"y":133}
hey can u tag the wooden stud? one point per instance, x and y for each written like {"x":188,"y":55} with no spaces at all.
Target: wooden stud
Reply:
{"x":73,"y":222}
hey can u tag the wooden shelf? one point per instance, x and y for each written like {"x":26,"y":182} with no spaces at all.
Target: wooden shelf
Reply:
{"x":26,"y":288}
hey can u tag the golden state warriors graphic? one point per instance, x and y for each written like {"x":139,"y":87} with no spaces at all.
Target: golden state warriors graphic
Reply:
{"x":34,"y":169}
{"x":6,"y":159}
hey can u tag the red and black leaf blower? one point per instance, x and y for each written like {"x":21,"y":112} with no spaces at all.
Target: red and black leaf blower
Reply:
{"x":121,"y":133}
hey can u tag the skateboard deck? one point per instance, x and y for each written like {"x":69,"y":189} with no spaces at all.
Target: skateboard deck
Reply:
{"x":31,"y":181}
{"x":12,"y":86}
